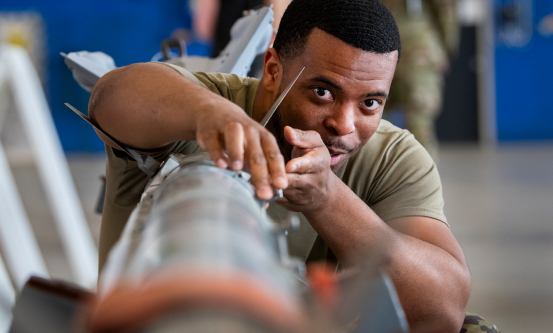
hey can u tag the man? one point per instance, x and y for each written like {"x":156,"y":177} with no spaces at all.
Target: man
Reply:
{"x":360,"y":183}
{"x":428,"y":39}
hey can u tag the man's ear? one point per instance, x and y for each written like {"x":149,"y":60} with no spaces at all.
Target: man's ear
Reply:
{"x":272,"y":71}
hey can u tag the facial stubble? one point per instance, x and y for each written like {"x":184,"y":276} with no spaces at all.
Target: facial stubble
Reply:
{"x":276,"y":126}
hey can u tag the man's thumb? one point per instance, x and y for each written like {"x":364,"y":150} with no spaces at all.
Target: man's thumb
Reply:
{"x":302,"y":139}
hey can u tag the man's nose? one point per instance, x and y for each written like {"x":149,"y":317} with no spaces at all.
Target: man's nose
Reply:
{"x":342,"y":120}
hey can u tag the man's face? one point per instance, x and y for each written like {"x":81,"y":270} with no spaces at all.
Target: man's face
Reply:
{"x":340,"y":94}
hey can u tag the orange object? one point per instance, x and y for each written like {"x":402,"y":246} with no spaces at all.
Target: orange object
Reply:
{"x":129,"y":307}
{"x":324,"y":284}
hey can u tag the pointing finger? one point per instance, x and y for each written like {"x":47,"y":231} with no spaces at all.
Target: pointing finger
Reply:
{"x":302,"y":139}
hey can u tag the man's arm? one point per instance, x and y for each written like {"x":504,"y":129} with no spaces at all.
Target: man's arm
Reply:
{"x":150,"y":106}
{"x":427,"y":264}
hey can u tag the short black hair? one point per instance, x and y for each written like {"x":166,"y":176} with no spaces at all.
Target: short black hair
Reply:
{"x":364,"y":24}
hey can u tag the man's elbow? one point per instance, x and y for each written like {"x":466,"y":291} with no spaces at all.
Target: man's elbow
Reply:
{"x":103,"y":95}
{"x":446,"y":308}
{"x":451,"y":314}
{"x":448,"y":319}
{"x":451,"y":320}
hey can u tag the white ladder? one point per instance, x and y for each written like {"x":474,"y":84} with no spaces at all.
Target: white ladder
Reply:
{"x":19,"y":246}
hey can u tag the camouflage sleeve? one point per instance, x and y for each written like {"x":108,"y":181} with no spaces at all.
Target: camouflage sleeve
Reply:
{"x":476,"y":324}
{"x":444,"y":16}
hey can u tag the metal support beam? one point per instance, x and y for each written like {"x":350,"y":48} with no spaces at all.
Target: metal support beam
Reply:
{"x":51,"y":163}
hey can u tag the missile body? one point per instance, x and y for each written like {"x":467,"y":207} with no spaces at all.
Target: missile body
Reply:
{"x":199,"y":248}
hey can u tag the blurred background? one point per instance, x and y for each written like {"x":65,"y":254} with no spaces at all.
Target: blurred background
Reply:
{"x":490,"y":131}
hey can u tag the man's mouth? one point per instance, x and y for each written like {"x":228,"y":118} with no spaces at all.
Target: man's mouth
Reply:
{"x":336,"y":159}
{"x":336,"y":156}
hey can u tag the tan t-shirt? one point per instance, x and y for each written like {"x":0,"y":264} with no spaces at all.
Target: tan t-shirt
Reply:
{"x":392,"y":173}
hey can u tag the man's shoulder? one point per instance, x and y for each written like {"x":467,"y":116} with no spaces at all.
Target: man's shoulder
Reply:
{"x":229,"y":81}
{"x":390,"y":145}
{"x":386,"y":127}
{"x":390,"y":137}
{"x":215,"y":80}
{"x":395,"y":175}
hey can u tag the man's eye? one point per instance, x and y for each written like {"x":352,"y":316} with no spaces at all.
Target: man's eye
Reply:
{"x":372,"y":104}
{"x":324,"y":94}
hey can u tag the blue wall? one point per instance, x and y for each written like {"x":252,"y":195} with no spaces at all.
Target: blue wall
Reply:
{"x":524,"y":83}
{"x":128,"y":30}
{"x":131,"y":31}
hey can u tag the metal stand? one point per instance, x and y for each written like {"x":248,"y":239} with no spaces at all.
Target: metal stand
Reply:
{"x":7,"y":298}
{"x":18,"y":242}
{"x":54,"y":173}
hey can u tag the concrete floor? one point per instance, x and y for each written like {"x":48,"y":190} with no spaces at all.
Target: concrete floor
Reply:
{"x":86,"y":171}
{"x":498,"y":202}
{"x":500,"y":207}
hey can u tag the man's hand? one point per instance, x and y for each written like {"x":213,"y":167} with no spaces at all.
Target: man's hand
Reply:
{"x":234,"y":140}
{"x":310,"y":179}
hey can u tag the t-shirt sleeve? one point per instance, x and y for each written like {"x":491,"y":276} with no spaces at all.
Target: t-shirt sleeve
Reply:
{"x":230,"y":86}
{"x":402,"y":179}
{"x":184,"y":72}
{"x":409,"y":184}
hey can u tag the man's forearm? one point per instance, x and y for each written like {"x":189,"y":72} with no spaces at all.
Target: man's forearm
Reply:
{"x":433,"y":284}
{"x":149,"y":105}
